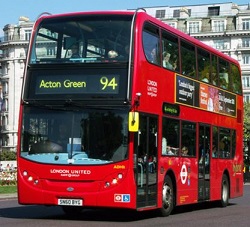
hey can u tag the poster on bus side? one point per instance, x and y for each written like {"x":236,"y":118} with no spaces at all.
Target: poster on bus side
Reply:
{"x":204,"y":96}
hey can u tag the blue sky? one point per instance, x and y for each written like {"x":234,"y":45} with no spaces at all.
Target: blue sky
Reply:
{"x":11,"y":10}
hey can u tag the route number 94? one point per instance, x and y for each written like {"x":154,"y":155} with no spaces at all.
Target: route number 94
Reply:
{"x":108,"y":83}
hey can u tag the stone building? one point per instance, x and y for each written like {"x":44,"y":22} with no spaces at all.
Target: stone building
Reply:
{"x":13,"y":49}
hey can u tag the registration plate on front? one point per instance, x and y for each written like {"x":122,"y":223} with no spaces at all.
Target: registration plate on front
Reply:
{"x":70,"y":202}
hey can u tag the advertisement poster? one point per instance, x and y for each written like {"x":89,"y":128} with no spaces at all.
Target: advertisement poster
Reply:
{"x":204,"y":96}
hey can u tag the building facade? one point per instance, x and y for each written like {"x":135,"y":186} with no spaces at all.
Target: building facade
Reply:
{"x":224,"y":26}
{"x":13,"y":49}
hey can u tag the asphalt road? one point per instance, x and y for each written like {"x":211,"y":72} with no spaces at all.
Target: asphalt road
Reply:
{"x":206,"y":214}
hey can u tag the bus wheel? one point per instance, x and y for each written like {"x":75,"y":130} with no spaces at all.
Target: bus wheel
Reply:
{"x":71,"y":210}
{"x":224,"y":191}
{"x":167,"y":197}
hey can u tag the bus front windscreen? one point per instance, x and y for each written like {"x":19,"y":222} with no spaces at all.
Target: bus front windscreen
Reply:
{"x":82,"y":38}
{"x":59,"y":136}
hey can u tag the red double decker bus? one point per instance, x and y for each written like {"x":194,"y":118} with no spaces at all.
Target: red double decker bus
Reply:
{"x":120,"y":110}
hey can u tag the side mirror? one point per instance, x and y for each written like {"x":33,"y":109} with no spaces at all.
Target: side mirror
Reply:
{"x":133,"y":121}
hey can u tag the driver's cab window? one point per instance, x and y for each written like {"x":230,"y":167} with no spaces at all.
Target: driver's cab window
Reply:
{"x":73,"y":48}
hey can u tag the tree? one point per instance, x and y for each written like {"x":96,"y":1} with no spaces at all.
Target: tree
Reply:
{"x":246,"y":126}
{"x":7,"y":155}
{"x":246,"y":131}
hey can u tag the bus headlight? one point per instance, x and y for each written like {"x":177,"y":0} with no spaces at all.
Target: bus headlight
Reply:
{"x":113,"y":180}
{"x":30,"y":177}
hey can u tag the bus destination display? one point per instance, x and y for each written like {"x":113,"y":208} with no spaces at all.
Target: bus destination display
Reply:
{"x":77,"y":84}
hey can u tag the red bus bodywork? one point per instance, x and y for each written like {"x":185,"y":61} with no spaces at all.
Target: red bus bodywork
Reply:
{"x":46,"y":183}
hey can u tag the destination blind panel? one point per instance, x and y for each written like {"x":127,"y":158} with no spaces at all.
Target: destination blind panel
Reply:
{"x":75,"y":84}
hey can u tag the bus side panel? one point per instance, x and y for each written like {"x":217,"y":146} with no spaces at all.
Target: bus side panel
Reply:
{"x":187,"y":182}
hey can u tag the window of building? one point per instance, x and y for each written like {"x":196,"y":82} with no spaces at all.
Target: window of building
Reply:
{"x":172,"y":24}
{"x":51,"y":51}
{"x":4,"y":106}
{"x":52,"y":34}
{"x":5,"y":122}
{"x":246,"y":81}
{"x":246,"y":24}
{"x":246,"y":59}
{"x":213,"y":11}
{"x":219,"y":44}
{"x":5,"y":88}
{"x":160,"y":14}
{"x":176,"y":13}
{"x":5,"y":68}
{"x":246,"y":98}
{"x":218,"y":25}
{"x":5,"y":140}
{"x":6,"y":53}
{"x":27,"y":34}
{"x":245,"y":42}
{"x":193,"y":26}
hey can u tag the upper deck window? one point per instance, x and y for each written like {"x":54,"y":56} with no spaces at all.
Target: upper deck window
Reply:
{"x":151,"y":43}
{"x":83,"y":38}
{"x":188,"y":59}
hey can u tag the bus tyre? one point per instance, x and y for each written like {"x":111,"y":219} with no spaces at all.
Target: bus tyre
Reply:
{"x":224,"y":191}
{"x":167,"y":197}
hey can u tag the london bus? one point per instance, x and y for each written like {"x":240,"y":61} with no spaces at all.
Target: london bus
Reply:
{"x":120,"y":110}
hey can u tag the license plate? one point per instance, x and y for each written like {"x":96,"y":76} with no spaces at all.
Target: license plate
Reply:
{"x":70,"y":202}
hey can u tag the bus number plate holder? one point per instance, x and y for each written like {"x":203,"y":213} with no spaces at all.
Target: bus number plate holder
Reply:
{"x":70,"y":202}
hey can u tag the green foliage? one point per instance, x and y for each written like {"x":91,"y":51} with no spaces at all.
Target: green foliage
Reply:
{"x":246,"y":131}
{"x":246,"y":127}
{"x":8,"y":189}
{"x":7,"y":155}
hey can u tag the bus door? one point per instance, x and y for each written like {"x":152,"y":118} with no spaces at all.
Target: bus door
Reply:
{"x":146,"y":162}
{"x":204,"y":160}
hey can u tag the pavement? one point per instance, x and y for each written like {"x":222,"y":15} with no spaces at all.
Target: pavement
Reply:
{"x":8,"y":196}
